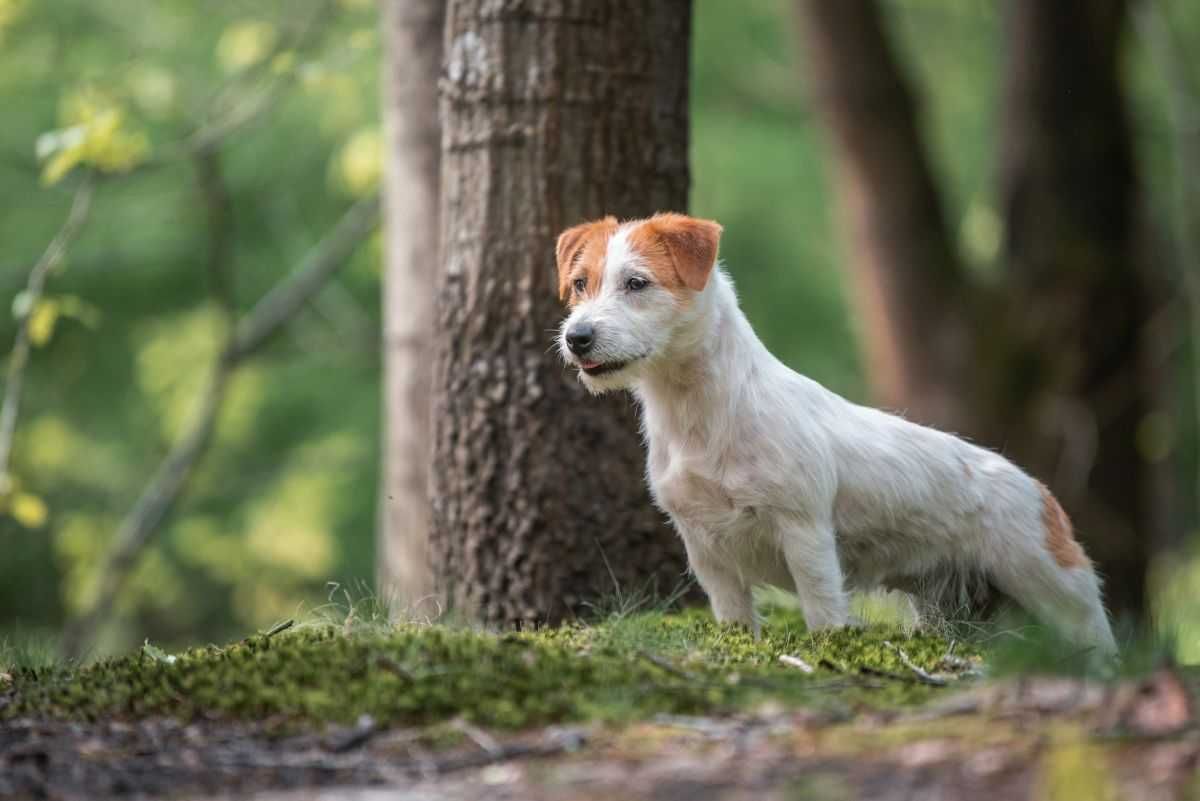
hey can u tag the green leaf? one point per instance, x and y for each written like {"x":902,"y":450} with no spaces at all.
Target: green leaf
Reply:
{"x":42,"y":322}
{"x":28,"y":509}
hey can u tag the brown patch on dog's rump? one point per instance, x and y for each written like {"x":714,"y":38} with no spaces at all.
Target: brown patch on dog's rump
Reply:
{"x":679,"y":250}
{"x":1060,"y":539}
{"x":580,"y":253}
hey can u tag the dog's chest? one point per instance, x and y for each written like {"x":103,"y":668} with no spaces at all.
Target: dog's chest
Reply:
{"x":697,"y":495}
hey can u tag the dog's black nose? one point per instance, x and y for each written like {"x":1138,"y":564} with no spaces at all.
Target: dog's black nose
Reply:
{"x":579,"y":338}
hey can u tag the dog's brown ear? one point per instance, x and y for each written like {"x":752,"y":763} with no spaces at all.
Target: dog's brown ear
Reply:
{"x":570,"y":242}
{"x":693,"y":245}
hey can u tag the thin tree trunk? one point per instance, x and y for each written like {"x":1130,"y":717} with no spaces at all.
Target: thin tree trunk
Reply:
{"x":413,"y":32}
{"x":909,"y":288}
{"x":1078,"y":373}
{"x":553,"y":114}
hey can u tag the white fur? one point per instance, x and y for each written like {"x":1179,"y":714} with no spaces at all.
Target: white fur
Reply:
{"x":772,"y":479}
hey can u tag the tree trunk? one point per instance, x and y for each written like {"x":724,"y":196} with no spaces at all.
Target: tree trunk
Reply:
{"x":1056,"y":366}
{"x":1079,"y":375}
{"x":413,"y":60}
{"x":553,"y":113}
{"x":909,"y":288}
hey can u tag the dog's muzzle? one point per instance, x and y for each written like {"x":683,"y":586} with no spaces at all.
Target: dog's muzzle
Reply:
{"x":580,"y":337}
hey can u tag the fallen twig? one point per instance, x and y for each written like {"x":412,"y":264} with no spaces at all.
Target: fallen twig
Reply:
{"x":796,"y":662}
{"x":669,"y":667}
{"x":922,"y":675}
{"x":363,"y":731}
{"x":477,"y":735}
{"x":279,"y":628}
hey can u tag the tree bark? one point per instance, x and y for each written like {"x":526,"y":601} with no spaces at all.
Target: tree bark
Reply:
{"x":412,"y":65}
{"x":1057,"y":366}
{"x":553,"y":113}
{"x":1078,"y":373}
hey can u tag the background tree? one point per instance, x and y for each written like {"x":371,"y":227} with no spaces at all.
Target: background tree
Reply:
{"x":412,"y":63}
{"x":1054,"y":359}
{"x":550,"y":117}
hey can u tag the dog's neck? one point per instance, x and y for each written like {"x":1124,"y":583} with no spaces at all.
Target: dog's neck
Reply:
{"x":711,"y":363}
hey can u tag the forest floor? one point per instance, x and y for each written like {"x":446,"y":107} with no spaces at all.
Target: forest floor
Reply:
{"x":644,"y":706}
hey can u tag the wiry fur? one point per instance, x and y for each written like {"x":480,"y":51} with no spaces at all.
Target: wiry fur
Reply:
{"x":772,"y":479}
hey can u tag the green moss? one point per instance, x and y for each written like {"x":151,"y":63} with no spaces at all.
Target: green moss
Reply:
{"x":622,"y":669}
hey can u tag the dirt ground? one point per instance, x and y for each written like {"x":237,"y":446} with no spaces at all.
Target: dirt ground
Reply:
{"x":1023,"y":739}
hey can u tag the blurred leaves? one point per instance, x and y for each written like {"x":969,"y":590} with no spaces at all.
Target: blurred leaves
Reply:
{"x":153,"y":89}
{"x":980,"y":233}
{"x":42,"y":321}
{"x":47,"y":312}
{"x":358,"y":166}
{"x":97,"y":133}
{"x":27,"y":509}
{"x":285,"y":100}
{"x":1176,"y":575}
{"x":10,"y":12}
{"x":244,"y":44}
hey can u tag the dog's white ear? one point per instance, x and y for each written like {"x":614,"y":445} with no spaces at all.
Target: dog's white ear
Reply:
{"x":693,"y":245}
{"x":570,"y":243}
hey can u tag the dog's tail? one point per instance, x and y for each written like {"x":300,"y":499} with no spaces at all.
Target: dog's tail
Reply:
{"x":1052,"y":578}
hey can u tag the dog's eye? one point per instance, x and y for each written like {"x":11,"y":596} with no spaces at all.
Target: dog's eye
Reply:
{"x":580,"y":285}
{"x":636,"y":282}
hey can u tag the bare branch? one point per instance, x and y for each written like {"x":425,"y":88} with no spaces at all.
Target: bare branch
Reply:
{"x":218,"y":206}
{"x":237,"y":113}
{"x":34,"y":289}
{"x":271,"y":314}
{"x":288,"y":297}
{"x":147,"y":514}
{"x":168,"y":483}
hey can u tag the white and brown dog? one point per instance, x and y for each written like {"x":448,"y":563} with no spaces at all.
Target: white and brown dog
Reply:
{"x":772,"y":479}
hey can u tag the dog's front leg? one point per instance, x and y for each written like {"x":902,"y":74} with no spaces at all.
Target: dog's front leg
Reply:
{"x":728,"y":592}
{"x":812,"y":558}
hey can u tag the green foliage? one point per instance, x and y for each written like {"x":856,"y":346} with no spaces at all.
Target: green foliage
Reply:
{"x":125,"y":334}
{"x":626,"y":668}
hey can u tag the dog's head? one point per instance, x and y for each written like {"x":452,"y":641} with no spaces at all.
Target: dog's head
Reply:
{"x":630,"y":287}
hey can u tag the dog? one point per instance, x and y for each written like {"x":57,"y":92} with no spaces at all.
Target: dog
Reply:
{"x":772,"y":479}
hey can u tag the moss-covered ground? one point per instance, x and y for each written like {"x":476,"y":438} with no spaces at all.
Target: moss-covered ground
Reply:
{"x":670,"y":705}
{"x":625,"y":668}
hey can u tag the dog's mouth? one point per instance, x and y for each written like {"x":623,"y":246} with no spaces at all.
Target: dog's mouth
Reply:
{"x":603,"y":368}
